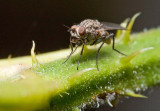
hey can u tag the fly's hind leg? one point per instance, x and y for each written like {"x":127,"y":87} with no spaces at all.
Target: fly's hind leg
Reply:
{"x":105,"y":38}
{"x":116,"y":49}
{"x":110,"y":35}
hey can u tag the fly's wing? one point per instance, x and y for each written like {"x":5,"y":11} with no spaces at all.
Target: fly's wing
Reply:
{"x":111,"y":26}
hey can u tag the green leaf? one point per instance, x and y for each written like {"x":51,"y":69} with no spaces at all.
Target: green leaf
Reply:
{"x":126,"y":37}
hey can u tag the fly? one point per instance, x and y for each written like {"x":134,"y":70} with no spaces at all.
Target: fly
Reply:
{"x":92,"y":32}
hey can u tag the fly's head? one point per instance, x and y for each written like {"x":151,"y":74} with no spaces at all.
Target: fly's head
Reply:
{"x":77,"y":31}
{"x":77,"y":34}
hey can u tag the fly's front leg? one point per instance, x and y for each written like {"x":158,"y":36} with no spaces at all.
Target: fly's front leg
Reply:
{"x":71,"y":51}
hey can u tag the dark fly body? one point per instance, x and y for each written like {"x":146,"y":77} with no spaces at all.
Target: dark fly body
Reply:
{"x":92,"y":32}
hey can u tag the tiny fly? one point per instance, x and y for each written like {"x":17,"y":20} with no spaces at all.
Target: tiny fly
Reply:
{"x":92,"y":32}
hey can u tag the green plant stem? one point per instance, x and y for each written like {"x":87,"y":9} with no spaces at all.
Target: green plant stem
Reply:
{"x":61,"y":87}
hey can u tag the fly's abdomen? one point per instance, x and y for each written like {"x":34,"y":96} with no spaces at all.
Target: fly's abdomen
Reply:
{"x":108,"y":41}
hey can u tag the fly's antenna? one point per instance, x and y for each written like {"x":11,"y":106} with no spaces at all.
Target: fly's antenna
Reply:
{"x":69,"y":29}
{"x":66,"y":26}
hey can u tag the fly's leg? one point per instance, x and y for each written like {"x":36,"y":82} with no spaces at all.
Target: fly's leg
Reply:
{"x":71,"y":51}
{"x":80,"y":56}
{"x":111,"y":35}
{"x":116,"y":49}
{"x":70,"y":54}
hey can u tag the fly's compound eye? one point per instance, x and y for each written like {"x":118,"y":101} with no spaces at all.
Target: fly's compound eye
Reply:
{"x":81,"y":31}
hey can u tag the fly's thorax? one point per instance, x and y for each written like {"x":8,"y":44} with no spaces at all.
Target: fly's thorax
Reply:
{"x":88,"y":23}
